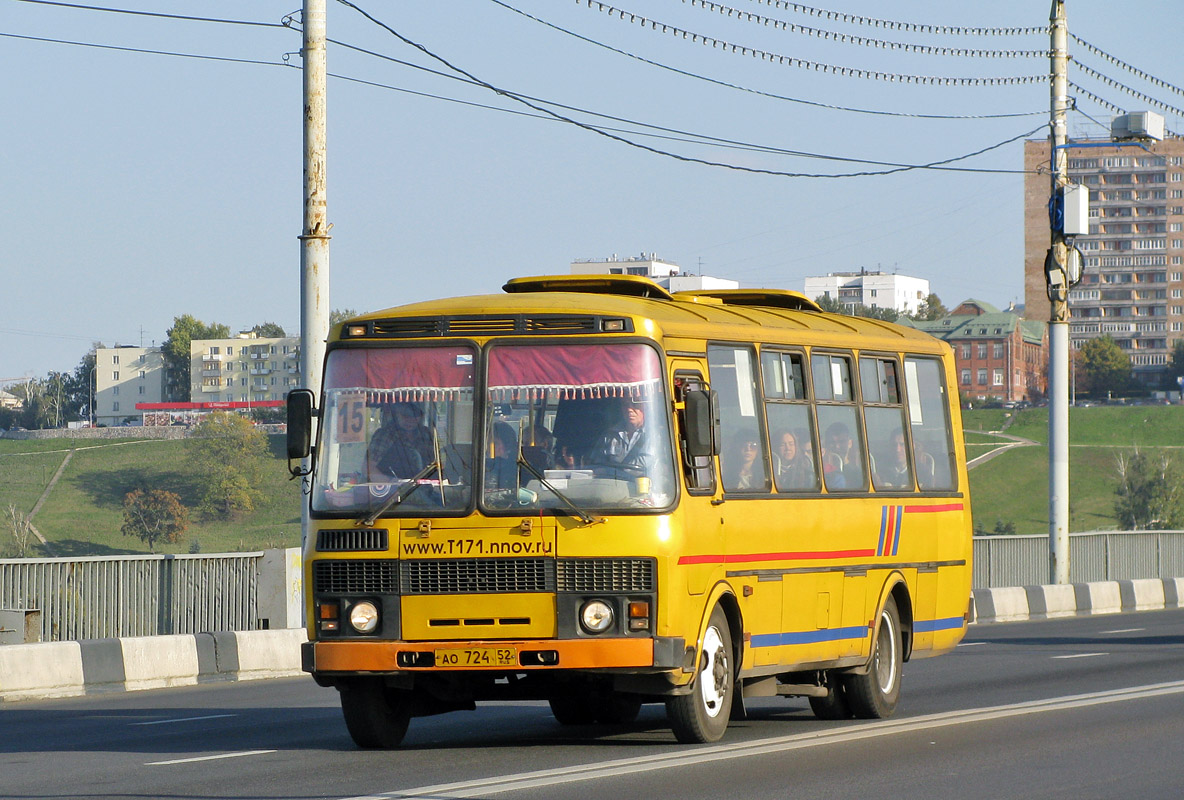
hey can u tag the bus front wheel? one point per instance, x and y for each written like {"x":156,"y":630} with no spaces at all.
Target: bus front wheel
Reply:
{"x":874,"y":694}
{"x":376,"y":716}
{"x":702,"y":715}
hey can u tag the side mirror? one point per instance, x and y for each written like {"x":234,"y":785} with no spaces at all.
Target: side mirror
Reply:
{"x":300,"y":413}
{"x":700,"y":423}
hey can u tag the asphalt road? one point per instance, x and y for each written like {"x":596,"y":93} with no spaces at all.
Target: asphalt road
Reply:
{"x":1089,"y":707}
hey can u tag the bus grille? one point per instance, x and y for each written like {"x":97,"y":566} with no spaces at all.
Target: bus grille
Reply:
{"x":352,"y":540}
{"x":606,"y":575}
{"x":356,"y":577}
{"x":485,"y":576}
{"x":477,"y":576}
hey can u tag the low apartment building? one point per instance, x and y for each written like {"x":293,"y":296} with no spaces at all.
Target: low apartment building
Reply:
{"x":243,"y":369}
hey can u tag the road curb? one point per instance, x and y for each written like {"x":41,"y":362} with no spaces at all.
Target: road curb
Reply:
{"x":1018,"y":603}
{"x":93,"y":666}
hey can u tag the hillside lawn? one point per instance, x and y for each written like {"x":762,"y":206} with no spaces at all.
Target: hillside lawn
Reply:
{"x":83,"y":513}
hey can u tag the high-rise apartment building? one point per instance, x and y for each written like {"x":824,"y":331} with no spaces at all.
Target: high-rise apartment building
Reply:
{"x":1132,"y":285}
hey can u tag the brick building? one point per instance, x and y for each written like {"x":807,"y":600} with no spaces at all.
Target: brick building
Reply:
{"x":999,"y":355}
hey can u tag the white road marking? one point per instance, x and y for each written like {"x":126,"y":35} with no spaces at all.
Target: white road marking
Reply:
{"x":1126,"y":630}
{"x":969,"y":644}
{"x":700,"y":755}
{"x":1082,"y":655}
{"x":209,"y":758}
{"x":184,"y":719}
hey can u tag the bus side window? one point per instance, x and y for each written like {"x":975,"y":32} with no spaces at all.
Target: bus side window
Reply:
{"x":743,"y":457}
{"x":791,"y":427}
{"x":929,"y":420}
{"x":698,"y":471}
{"x":838,"y":423}
{"x":892,"y":469}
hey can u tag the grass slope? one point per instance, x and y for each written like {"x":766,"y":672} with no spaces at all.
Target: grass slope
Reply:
{"x":83,"y":513}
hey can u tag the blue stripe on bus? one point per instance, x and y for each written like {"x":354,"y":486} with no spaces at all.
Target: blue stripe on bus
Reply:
{"x":931,"y":625}
{"x":808,"y":637}
{"x":883,"y":528}
{"x":896,"y":538}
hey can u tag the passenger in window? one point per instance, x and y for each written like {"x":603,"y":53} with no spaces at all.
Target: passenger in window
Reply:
{"x":539,"y":450}
{"x":628,"y":444}
{"x":892,"y":471}
{"x":839,"y":454}
{"x":402,"y":446}
{"x":750,"y":469}
{"x":793,"y":469}
{"x":501,"y":470}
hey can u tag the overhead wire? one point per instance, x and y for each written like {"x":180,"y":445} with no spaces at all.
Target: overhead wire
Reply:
{"x":772,"y":95}
{"x":151,"y":13}
{"x":847,"y":38}
{"x":146,"y":51}
{"x":816,"y":66}
{"x":656,"y":151}
{"x":1133,"y":70}
{"x":856,"y":19}
{"x":1111,"y":82}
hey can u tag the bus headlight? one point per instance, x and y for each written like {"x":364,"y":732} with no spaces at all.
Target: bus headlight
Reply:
{"x":363,"y":617}
{"x":596,"y":616}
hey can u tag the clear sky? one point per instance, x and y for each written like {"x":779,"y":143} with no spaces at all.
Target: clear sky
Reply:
{"x":141,"y":186}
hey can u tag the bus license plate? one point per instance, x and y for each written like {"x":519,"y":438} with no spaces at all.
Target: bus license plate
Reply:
{"x":478,"y":657}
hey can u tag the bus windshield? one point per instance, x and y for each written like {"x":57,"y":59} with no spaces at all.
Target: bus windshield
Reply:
{"x":388,"y":415}
{"x":560,"y":425}
{"x":585,"y":421}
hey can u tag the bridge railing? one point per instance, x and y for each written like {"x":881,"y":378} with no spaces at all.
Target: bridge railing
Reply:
{"x":117,"y":596}
{"x":1094,"y":556}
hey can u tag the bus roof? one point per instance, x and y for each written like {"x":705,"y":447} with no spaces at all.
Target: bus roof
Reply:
{"x":783,"y":316}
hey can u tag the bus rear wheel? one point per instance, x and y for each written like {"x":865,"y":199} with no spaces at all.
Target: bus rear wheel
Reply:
{"x":874,"y":694}
{"x":834,"y":705}
{"x":702,"y":715}
{"x":376,"y":715}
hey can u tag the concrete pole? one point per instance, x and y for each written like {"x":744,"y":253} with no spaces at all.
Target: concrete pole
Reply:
{"x":1058,"y":331}
{"x":314,"y":240}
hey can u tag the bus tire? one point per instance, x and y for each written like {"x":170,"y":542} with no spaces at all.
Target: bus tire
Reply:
{"x":376,"y":716}
{"x":874,"y":694}
{"x":618,"y":709}
{"x":702,"y":715}
{"x":573,"y":709}
{"x":834,"y":705}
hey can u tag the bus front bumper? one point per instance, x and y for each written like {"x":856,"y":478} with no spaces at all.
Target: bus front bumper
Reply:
{"x":354,"y":656}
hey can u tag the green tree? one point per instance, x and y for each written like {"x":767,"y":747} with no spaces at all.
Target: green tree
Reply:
{"x":833,"y":306}
{"x":341,"y":314}
{"x":931,"y":308}
{"x":1150,"y":493}
{"x":227,"y":453}
{"x":268,"y":330}
{"x":1176,"y":365}
{"x":154,"y":516}
{"x":79,"y":386}
{"x":1107,"y":368}
{"x":175,"y":350}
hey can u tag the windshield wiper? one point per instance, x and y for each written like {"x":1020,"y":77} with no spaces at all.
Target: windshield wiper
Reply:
{"x":580,"y":514}
{"x":404,"y":492}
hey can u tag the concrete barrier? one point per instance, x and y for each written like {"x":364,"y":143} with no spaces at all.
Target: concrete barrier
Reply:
{"x":1013,"y":604}
{"x":65,"y":669}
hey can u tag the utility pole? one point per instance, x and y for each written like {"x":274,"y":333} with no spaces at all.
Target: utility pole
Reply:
{"x":1059,"y":276}
{"x":314,"y":240}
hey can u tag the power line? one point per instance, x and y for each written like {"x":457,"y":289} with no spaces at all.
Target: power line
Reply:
{"x":772,"y":95}
{"x":653,"y":150}
{"x":815,"y":66}
{"x":175,"y":54}
{"x":1133,"y":70}
{"x":152,"y":14}
{"x":846,"y":38}
{"x":1093,"y":73}
{"x":855,"y":19}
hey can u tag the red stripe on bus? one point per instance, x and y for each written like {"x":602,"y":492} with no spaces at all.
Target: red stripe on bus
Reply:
{"x":924,"y":509}
{"x":743,"y":558}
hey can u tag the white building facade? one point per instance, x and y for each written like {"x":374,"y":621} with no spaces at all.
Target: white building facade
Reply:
{"x":244,"y":369}
{"x":125,"y":376}
{"x":666,"y":274}
{"x":874,"y":289}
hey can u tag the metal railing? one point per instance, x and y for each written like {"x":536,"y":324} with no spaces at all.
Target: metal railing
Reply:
{"x":1097,"y":556}
{"x":94,"y":598}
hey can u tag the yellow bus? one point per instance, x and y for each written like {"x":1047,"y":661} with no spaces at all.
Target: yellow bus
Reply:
{"x":597,"y":493}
